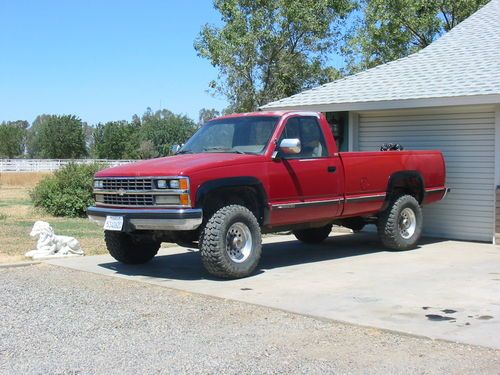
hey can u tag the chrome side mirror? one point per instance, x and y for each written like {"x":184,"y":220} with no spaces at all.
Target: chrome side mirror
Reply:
{"x":290,"y":146}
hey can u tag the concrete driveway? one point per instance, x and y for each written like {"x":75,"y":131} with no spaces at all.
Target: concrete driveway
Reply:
{"x":444,"y":290}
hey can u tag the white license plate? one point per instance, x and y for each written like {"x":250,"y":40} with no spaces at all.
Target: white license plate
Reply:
{"x":113,"y":223}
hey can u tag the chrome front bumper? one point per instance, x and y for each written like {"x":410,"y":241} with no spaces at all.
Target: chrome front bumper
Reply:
{"x":150,"y":219}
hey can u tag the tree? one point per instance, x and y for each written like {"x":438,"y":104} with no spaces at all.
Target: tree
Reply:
{"x":12,"y":138}
{"x":57,"y":137}
{"x":206,"y":114}
{"x":147,"y":150}
{"x":389,"y":30}
{"x":116,"y":140}
{"x":33,"y":139}
{"x":164,"y":129}
{"x":88,"y":133}
{"x":270,"y":49}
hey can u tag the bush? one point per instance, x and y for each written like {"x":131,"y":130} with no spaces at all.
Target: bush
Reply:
{"x":68,"y":192}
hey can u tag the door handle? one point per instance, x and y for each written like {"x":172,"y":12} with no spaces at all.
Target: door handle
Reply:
{"x":332,"y":169}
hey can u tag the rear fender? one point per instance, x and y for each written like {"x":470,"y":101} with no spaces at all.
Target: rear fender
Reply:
{"x":411,"y":182}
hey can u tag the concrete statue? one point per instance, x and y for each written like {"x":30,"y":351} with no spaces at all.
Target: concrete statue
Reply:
{"x":50,"y":245}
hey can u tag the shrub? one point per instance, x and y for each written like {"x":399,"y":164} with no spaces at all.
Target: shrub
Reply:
{"x":68,"y":192}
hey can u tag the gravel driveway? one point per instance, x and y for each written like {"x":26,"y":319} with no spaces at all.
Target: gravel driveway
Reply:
{"x":60,"y":321}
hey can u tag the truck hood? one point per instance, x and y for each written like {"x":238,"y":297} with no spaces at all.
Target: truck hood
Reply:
{"x":179,"y":165}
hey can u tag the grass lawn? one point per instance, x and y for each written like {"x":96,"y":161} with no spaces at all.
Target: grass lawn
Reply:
{"x":17,"y":217}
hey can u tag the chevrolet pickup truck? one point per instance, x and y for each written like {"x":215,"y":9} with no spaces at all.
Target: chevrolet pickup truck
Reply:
{"x":245,"y":174}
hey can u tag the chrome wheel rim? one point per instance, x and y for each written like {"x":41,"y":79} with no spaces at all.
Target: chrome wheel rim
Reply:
{"x":238,"y":242}
{"x":407,"y":223}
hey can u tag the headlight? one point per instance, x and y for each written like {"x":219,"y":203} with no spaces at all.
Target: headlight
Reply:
{"x":98,"y":184}
{"x":181,"y":183}
{"x":162,"y":184}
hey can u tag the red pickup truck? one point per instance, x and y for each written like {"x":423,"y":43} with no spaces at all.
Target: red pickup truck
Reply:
{"x":244,"y":174}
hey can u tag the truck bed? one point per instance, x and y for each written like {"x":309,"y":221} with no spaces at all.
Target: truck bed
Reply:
{"x":366,"y":176}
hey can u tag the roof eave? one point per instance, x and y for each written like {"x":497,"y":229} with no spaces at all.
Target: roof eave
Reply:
{"x":392,"y":104}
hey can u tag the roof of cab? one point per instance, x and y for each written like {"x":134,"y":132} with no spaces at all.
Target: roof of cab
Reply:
{"x":269,"y":114}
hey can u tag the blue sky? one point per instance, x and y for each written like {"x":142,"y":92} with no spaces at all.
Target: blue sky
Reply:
{"x":103,"y":60}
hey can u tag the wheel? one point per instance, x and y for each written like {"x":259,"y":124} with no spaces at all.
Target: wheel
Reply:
{"x":400,"y":225}
{"x":313,"y":235}
{"x":130,"y":249}
{"x":230,"y":243}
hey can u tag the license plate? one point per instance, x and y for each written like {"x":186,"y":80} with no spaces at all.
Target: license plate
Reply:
{"x":113,"y":223}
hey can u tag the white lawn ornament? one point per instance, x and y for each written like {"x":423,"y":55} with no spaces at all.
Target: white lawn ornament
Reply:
{"x":49,"y":245}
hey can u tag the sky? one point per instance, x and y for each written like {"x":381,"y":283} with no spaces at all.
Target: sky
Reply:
{"x":103,"y":60}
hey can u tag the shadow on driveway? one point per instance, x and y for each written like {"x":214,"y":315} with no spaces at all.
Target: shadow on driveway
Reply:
{"x":187,"y":265}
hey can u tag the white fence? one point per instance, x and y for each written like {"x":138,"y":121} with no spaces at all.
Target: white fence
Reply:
{"x":49,"y":165}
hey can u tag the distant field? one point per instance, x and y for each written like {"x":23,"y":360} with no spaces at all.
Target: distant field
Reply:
{"x":17,"y":217}
{"x":25,"y":179}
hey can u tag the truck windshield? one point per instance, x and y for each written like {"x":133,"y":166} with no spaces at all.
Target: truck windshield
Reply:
{"x":243,"y":135}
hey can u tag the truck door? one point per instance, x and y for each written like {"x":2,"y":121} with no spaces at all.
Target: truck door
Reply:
{"x":305,"y":186}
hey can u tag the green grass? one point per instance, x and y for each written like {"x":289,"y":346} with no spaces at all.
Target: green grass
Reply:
{"x":15,"y":202}
{"x":17,"y":217}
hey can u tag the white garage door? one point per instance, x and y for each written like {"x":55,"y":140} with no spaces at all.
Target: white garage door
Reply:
{"x":466,"y":137}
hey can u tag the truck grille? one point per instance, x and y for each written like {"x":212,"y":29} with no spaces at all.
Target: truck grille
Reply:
{"x":128,"y":184}
{"x":139,"y":192}
{"x":129,"y":200}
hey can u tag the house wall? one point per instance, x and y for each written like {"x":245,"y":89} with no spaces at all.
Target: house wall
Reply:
{"x":497,"y":174}
{"x":466,"y":136}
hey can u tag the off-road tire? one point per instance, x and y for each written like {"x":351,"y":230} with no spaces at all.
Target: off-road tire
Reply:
{"x":130,"y":249}
{"x":214,"y":241}
{"x":389,"y":223}
{"x":313,"y":235}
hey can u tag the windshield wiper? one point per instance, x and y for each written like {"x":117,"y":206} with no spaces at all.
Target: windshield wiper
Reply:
{"x":223,"y":149}
{"x":184,"y":152}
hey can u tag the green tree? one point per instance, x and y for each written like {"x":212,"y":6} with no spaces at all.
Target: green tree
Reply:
{"x":33,"y":146}
{"x":206,"y":114}
{"x":57,"y":137}
{"x":116,"y":140}
{"x":12,"y":138}
{"x":147,"y":150}
{"x":270,"y":49}
{"x":163,"y":129}
{"x":88,"y":133}
{"x":390,"y":29}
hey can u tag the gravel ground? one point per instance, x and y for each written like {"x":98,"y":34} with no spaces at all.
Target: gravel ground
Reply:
{"x":60,"y":321}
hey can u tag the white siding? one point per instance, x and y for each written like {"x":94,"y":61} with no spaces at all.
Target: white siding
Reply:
{"x":466,"y":136}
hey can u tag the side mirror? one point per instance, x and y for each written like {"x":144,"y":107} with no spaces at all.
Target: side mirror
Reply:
{"x":175,"y":148}
{"x":290,"y":146}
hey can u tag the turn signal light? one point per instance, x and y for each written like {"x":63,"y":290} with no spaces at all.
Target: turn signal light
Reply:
{"x":184,"y":199}
{"x":183,"y":184}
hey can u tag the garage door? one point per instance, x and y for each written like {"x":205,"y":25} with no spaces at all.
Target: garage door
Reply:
{"x":466,"y":136}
